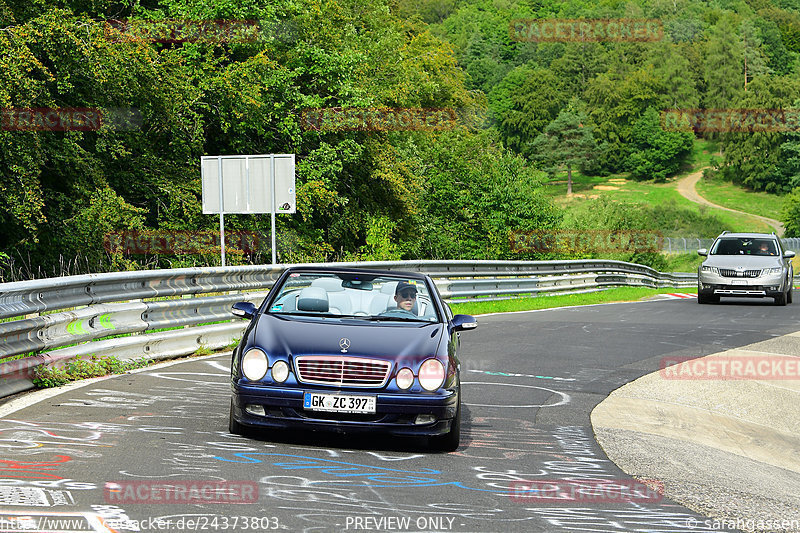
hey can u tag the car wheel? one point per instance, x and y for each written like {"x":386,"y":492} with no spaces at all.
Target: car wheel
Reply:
{"x":706,"y":299}
{"x":235,"y":427}
{"x":781,"y":299}
{"x":789,"y":296}
{"x":449,"y":441}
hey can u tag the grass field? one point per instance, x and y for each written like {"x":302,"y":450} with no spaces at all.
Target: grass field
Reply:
{"x":733,"y":196}
{"x":620,"y":294}
{"x":620,"y":188}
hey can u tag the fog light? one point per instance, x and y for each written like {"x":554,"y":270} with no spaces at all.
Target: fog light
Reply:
{"x":424,"y":419}
{"x":255,"y":410}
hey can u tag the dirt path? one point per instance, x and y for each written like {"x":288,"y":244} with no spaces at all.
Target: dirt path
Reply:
{"x":686,"y":187}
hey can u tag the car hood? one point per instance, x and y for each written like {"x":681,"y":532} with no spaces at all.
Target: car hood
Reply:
{"x":748,"y":262}
{"x":392,"y":340}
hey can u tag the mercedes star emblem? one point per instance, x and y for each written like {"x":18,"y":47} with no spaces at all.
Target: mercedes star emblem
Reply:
{"x":344,"y":344}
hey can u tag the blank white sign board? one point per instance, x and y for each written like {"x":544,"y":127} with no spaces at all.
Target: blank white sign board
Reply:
{"x":246,"y":187}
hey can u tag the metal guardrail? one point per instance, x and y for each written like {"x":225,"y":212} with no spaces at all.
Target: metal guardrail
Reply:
{"x":87,"y":314}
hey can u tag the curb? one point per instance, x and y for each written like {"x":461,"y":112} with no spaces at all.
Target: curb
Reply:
{"x":727,"y":448}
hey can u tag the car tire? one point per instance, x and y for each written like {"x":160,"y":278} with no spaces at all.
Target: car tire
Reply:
{"x":706,"y":299}
{"x":789,"y":295}
{"x":234,"y":427}
{"x":449,"y":441}
{"x":781,"y":299}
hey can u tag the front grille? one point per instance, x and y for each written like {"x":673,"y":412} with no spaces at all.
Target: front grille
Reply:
{"x":730,"y":273}
{"x":342,"y":371}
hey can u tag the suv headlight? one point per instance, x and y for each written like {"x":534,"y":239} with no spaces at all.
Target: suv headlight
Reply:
{"x":713,"y":270}
{"x":776,"y":270}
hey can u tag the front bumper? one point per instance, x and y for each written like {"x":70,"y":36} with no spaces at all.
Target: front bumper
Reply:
{"x":396,"y":413}
{"x":770,"y":285}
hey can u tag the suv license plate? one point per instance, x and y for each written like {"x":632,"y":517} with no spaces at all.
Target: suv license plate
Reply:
{"x":338,"y":403}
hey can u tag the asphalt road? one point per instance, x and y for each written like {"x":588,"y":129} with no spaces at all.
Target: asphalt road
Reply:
{"x":530,"y":383}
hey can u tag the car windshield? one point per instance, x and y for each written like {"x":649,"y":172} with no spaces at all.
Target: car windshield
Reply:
{"x":744,"y":246}
{"x":366,"y":297}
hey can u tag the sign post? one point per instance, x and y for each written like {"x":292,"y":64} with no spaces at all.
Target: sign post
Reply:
{"x":248,"y":184}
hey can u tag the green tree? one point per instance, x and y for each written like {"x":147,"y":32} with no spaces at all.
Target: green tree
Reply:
{"x":753,"y":158}
{"x":524,"y":103}
{"x":677,"y":84}
{"x":567,"y":142}
{"x":724,"y":65}
{"x":656,"y":154}
{"x":476,"y":193}
{"x":615,"y":101}
{"x":788,"y":172}
{"x":755,"y":64}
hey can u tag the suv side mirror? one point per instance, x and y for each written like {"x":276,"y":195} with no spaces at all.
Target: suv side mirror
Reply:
{"x":788,"y":254}
{"x":703,"y":252}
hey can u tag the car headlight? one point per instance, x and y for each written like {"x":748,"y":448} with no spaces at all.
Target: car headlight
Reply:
{"x":280,"y":371}
{"x":404,"y":378}
{"x":254,"y":364}
{"x":713,"y":270}
{"x":776,"y":270}
{"x":431,"y":374}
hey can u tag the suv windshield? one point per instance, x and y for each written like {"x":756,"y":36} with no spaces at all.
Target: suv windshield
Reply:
{"x":368,"y":297}
{"x":744,"y":246}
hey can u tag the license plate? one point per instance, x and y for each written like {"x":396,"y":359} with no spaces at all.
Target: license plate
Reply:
{"x":338,"y":403}
{"x":738,"y":282}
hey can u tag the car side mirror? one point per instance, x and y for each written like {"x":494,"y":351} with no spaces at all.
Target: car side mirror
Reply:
{"x":789,"y":254}
{"x":703,"y":252}
{"x":244,"y":310}
{"x":463,"y":322}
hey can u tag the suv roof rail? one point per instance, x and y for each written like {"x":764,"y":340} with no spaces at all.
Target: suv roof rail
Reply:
{"x":724,"y":232}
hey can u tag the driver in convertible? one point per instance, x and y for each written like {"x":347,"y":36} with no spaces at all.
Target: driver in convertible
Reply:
{"x":406,"y":296}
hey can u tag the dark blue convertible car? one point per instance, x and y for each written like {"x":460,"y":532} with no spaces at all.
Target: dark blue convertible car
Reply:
{"x":350,"y":350}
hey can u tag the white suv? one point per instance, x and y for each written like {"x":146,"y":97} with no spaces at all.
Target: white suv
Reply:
{"x":745,"y":264}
